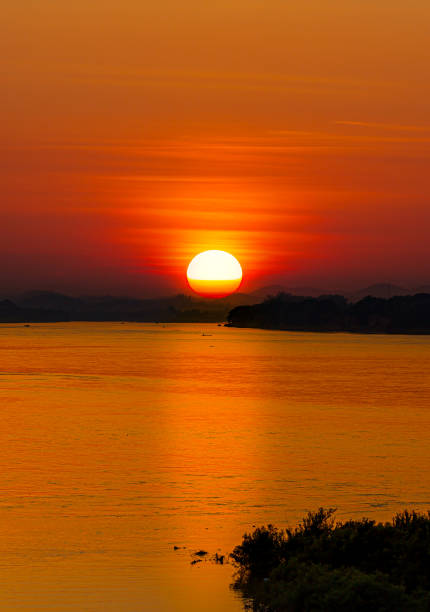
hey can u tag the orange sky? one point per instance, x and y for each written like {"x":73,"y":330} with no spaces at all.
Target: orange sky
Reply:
{"x":295,"y":134}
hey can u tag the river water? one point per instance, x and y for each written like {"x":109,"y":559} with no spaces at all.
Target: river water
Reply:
{"x":121,"y":441}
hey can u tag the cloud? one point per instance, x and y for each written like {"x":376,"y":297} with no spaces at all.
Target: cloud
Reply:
{"x":386,"y":126}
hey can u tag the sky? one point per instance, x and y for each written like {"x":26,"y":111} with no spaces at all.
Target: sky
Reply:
{"x":294,"y":134}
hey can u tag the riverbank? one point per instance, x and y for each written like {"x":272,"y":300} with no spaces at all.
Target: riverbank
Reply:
{"x":333,"y":313}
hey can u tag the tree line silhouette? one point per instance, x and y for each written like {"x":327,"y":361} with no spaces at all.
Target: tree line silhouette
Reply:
{"x":401,"y":314}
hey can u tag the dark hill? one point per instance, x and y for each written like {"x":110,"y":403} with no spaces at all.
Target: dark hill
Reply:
{"x":381,"y":290}
{"x":11,"y":313}
{"x":170,"y":309}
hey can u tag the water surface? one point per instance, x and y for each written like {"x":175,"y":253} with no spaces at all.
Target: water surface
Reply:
{"x":119,"y":441}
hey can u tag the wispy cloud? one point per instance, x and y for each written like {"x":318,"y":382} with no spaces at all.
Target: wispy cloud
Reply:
{"x":386,"y":126}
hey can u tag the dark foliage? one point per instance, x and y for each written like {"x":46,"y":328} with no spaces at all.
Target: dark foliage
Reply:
{"x":326,"y":565}
{"x":260,"y":551}
{"x":408,"y":313}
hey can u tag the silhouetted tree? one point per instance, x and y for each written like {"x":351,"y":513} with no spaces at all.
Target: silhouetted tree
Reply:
{"x":326,"y":565}
{"x":402,"y":314}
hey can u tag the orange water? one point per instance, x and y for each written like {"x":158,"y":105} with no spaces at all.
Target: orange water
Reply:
{"x":119,"y":441}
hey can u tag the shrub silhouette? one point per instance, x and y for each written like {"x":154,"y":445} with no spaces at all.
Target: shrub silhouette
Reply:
{"x":298,"y":586}
{"x":260,"y":551}
{"x":326,"y":565}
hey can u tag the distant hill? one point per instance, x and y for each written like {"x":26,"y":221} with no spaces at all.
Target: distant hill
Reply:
{"x":177,"y":308}
{"x":422,"y":289}
{"x":11,"y":313}
{"x":269,"y":290}
{"x":48,"y":299}
{"x":381,"y":290}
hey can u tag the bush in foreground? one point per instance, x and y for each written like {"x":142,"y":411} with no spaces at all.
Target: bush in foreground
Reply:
{"x":327,"y":565}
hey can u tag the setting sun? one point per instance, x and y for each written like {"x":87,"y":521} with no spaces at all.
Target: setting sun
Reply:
{"x":214,"y":274}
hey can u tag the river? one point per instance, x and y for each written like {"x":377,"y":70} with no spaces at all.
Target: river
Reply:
{"x":121,"y":441}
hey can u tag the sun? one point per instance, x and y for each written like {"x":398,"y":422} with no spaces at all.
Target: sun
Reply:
{"x":214,"y":274}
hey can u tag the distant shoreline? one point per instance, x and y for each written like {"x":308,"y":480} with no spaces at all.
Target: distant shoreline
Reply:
{"x":360,"y":332}
{"x":408,"y":315}
{"x":400,"y":315}
{"x":29,"y":323}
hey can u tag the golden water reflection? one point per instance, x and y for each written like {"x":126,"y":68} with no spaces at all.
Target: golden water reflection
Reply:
{"x":119,"y":441}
